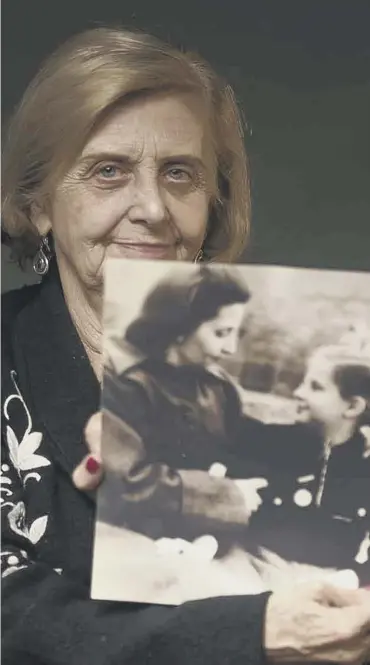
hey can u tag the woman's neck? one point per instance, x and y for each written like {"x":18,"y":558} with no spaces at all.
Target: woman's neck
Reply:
{"x":86,"y":314}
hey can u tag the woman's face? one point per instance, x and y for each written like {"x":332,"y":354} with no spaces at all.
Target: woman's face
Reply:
{"x":214,"y":339}
{"x":319,"y":399}
{"x":141,"y":188}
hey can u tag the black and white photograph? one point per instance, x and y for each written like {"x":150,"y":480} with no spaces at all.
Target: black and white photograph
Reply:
{"x":236,"y":430}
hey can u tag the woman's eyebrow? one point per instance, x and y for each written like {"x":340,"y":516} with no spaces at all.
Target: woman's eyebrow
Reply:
{"x":191,"y":160}
{"x":91,"y":157}
{"x":183,"y":158}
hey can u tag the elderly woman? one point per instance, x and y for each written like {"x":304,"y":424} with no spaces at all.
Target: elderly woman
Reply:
{"x":122,"y":146}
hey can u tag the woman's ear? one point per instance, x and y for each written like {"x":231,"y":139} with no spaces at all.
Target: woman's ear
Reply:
{"x":40,"y":220}
{"x":356,"y":407}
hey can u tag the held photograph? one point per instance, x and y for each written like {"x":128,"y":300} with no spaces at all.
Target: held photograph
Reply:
{"x":236,"y":430}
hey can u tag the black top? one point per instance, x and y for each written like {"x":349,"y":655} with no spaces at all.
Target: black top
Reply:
{"x":49,"y":392}
{"x":167,"y":426}
{"x":316,"y":509}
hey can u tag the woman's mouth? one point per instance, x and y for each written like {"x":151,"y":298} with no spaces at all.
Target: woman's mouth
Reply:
{"x":149,"y":250}
{"x":302,"y":410}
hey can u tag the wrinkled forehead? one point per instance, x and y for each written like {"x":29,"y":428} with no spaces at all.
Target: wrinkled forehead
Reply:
{"x":161,"y":124}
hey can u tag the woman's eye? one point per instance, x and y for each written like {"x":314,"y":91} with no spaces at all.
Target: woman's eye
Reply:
{"x":178,"y":174}
{"x":108,"y":171}
{"x":110,"y":174}
{"x":222,"y":333}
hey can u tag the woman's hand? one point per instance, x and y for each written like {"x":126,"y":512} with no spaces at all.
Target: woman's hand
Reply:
{"x":318,"y":623}
{"x":250,"y":488}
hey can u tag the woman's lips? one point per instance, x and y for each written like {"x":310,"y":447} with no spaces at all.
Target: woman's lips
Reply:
{"x":302,"y":411}
{"x":145,"y":250}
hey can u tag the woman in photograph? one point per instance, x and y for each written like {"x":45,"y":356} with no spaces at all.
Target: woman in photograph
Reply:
{"x":170,"y":421}
{"x":121,"y":146}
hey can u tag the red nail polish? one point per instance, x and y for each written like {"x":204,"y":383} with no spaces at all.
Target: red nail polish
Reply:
{"x":92,"y":465}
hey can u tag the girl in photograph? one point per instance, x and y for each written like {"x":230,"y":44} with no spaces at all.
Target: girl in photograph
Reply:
{"x":318,"y":507}
{"x":334,"y":398}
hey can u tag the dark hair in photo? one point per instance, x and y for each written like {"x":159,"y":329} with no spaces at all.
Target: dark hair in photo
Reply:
{"x":353,"y":380}
{"x":175,"y":309}
{"x":350,"y":373}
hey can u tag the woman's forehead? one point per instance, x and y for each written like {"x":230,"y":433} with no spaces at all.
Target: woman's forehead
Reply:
{"x":162,"y":125}
{"x":231,"y":314}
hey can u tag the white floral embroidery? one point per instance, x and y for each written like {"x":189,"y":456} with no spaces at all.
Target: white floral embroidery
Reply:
{"x":17,"y":523}
{"x":12,"y":569}
{"x":22,"y":453}
{"x":13,"y":561}
{"x":4,"y":480}
{"x":24,"y":458}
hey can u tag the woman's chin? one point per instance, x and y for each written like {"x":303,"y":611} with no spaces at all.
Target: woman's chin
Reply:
{"x":213,"y":367}
{"x":303,"y":416}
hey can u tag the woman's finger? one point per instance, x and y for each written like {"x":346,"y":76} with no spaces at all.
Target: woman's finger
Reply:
{"x":93,"y":433}
{"x":258,"y":483}
{"x":88,"y":474}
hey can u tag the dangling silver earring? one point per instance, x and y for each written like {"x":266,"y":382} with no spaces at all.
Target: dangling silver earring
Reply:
{"x":42,"y":258}
{"x":199,"y":256}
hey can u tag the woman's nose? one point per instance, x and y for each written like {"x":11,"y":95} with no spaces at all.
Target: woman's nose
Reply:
{"x":299,"y":392}
{"x":230,"y":346}
{"x":147,"y":202}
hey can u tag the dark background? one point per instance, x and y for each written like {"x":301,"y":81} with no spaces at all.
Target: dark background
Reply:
{"x":301,"y":70}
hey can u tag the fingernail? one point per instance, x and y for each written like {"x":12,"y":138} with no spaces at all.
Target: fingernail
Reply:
{"x":92,"y":465}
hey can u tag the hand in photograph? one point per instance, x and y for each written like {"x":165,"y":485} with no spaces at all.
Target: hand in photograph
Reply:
{"x":250,"y":488}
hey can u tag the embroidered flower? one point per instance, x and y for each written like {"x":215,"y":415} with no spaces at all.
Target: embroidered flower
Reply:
{"x":23,"y":453}
{"x":24,"y":459}
{"x":17,"y":519}
{"x":17,"y":523}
